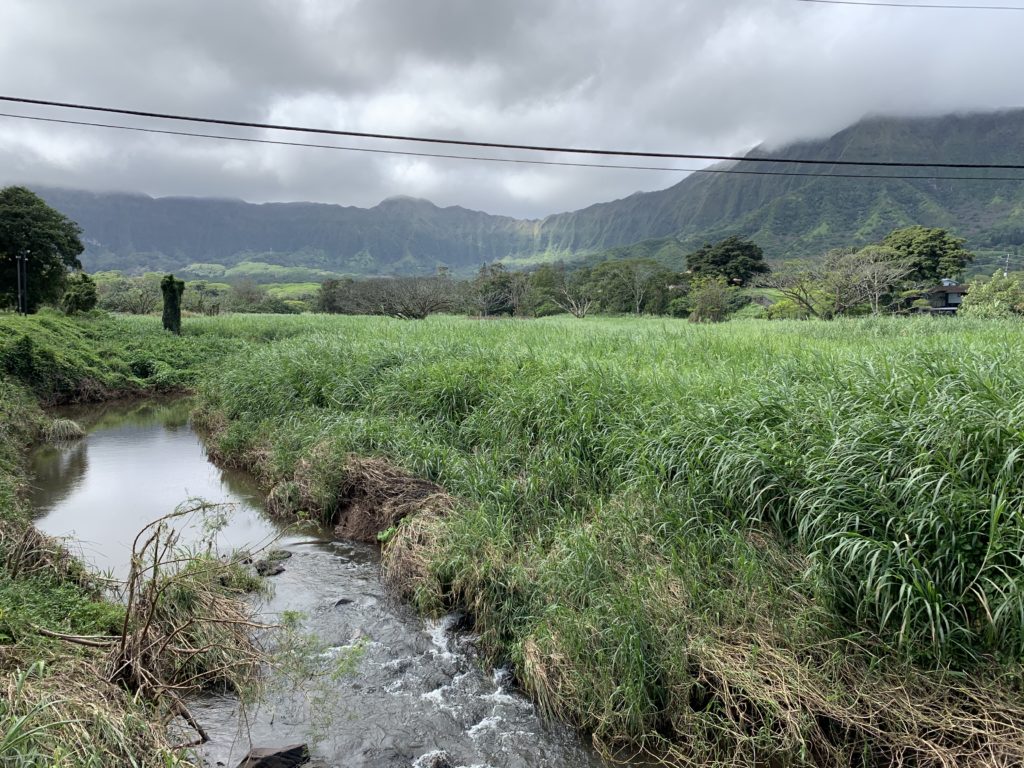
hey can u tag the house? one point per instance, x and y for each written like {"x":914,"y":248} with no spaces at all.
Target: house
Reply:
{"x":946,"y":297}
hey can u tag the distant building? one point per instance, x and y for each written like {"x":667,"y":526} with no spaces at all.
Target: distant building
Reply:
{"x":947,"y":297}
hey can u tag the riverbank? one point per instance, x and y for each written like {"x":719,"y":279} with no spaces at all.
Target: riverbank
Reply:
{"x":59,"y":708}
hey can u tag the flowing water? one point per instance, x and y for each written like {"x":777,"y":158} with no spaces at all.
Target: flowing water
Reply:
{"x":414,"y":689}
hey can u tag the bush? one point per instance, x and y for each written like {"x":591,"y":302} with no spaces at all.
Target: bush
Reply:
{"x":679,"y":307}
{"x":786,"y":309}
{"x":998,"y":297}
{"x":711,"y":300}
{"x":79,"y":294}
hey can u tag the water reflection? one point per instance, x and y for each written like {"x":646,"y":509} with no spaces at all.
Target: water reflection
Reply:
{"x":138,"y":463}
{"x":57,"y":471}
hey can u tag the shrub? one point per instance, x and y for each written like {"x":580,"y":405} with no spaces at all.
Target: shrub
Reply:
{"x":998,"y":297}
{"x":79,"y":294}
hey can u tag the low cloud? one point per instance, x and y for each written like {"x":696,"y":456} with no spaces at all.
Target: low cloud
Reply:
{"x":698,"y":75}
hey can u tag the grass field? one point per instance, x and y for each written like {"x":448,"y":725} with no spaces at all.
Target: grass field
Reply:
{"x":791,"y":542}
{"x":756,"y":543}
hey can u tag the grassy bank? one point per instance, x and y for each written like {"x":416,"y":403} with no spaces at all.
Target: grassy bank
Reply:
{"x":56,"y":706}
{"x":762,"y":544}
{"x":757,"y":543}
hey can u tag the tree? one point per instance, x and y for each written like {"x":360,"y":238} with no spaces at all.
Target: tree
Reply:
{"x":79,"y":294}
{"x":51,"y":241}
{"x":203,"y":298}
{"x":337,"y":296}
{"x":497,"y":291}
{"x":1000,"y":296}
{"x":172,"y":288}
{"x":800,"y":283}
{"x":845,"y":281}
{"x":413,"y":298}
{"x":644,"y":277}
{"x":735,"y":259}
{"x":931,"y":253}
{"x":247,"y":296}
{"x":882,"y":271}
{"x":545,"y":284}
{"x":576,"y":293}
{"x":134,"y":295}
{"x":631,"y":285}
{"x":710,"y":299}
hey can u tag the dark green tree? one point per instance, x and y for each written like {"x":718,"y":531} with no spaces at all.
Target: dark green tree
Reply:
{"x":545,"y":283}
{"x":632,"y":285}
{"x":931,"y":253}
{"x":735,"y":259}
{"x":338,"y":296}
{"x":172,"y":289}
{"x":51,"y":241}
{"x":79,"y":294}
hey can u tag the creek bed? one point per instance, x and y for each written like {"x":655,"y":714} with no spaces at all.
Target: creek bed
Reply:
{"x":416,"y":688}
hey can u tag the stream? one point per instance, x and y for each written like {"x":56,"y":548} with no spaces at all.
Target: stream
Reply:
{"x":415,"y":689}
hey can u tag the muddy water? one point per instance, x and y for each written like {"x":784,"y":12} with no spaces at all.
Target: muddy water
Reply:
{"x":412,"y":690}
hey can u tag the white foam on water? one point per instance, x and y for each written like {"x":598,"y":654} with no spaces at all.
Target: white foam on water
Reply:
{"x":438,"y":632}
{"x":424,"y":760}
{"x":500,"y":697}
{"x":437,"y":698}
{"x":487,"y":724}
{"x":502,"y":678}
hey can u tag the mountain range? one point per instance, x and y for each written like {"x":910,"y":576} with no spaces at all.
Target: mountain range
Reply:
{"x":790,"y":210}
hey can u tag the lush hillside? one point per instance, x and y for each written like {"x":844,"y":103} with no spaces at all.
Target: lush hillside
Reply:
{"x":137,"y":232}
{"x":787,"y":215}
{"x":797,"y":215}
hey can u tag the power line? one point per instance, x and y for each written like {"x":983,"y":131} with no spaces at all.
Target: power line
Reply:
{"x":523,"y":147}
{"x":918,"y":5}
{"x":523,"y":161}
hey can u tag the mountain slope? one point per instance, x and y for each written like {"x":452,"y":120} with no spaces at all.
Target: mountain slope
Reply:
{"x":399,"y":235}
{"x":799,"y":215}
{"x":787,"y":215}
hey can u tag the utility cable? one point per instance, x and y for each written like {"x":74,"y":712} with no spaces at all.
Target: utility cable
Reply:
{"x":498,"y":145}
{"x":524,"y":161}
{"x":926,"y":6}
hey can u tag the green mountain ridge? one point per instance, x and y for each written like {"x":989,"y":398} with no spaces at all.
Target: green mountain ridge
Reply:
{"x":788,"y":215}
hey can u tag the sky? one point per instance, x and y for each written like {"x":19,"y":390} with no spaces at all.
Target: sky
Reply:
{"x":702,"y":76}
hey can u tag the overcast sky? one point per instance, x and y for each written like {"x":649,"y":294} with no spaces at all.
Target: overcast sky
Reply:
{"x":707,"y":76}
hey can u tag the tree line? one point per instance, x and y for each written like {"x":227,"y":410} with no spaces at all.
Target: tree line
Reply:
{"x":898,"y":275}
{"x":622,"y":286}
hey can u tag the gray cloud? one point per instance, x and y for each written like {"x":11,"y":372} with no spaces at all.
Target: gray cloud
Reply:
{"x":700,"y":75}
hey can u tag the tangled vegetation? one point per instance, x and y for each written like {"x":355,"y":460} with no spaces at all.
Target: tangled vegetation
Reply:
{"x":793,"y":544}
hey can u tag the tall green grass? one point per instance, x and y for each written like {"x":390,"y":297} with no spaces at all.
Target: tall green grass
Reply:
{"x":784,"y":543}
{"x":657,"y":518}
